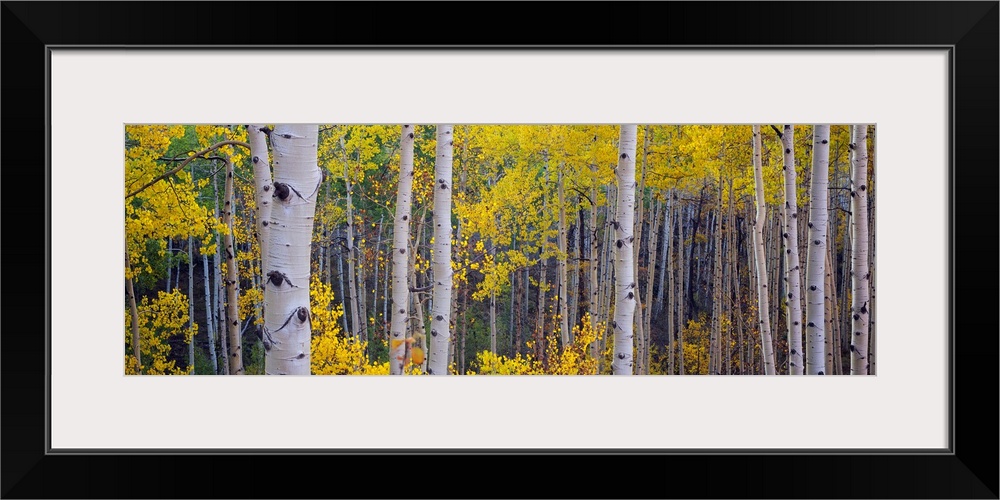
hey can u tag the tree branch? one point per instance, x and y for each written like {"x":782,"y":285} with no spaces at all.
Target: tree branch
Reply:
{"x":584,"y":195}
{"x":776,"y":131}
{"x":183,"y":164}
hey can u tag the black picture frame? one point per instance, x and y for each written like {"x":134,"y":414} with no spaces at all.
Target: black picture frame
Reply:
{"x":967,"y":470}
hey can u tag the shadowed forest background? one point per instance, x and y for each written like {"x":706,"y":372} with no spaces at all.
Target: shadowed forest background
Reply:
{"x":572,"y":249}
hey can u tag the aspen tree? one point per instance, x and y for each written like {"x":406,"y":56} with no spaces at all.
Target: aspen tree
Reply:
{"x":235,"y":354}
{"x":767,"y":348}
{"x":357,"y":317}
{"x":441,"y":306}
{"x":297,"y":179}
{"x":790,"y":237}
{"x":860,"y":272}
{"x":815,"y":272}
{"x":400,"y":237}
{"x":625,"y":289}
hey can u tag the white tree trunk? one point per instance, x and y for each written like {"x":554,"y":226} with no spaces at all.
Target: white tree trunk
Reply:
{"x":679,"y":298}
{"x":209,"y":315}
{"x":647,"y":318}
{"x":400,"y":241}
{"x":860,"y":273}
{"x":359,"y":260}
{"x":829,"y":308}
{"x":191,"y":300}
{"x":640,"y":194}
{"x":872,"y":357}
{"x":297,"y":178}
{"x":235,"y":354}
{"x":220,"y":291}
{"x":792,"y":266}
{"x":758,"y":243}
{"x":669,"y":271}
{"x":378,"y":249}
{"x":625,"y":289}
{"x":262,"y":185}
{"x":130,"y":290}
{"x":493,"y":318}
{"x":716,"y":336}
{"x":170,"y":265}
{"x":343,"y":296}
{"x":595,"y":347}
{"x":562,"y":291}
{"x":815,"y":272}
{"x":441,"y":262}
{"x":357,"y":322}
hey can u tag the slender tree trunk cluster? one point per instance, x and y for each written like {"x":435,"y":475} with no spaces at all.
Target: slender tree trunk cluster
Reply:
{"x":723,"y":291}
{"x":758,"y":233}
{"x":790,"y":237}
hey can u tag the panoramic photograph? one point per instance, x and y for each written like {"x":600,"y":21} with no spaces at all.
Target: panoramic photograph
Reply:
{"x":499,"y":249}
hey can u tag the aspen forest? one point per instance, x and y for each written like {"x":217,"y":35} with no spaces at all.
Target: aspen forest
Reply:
{"x":482,"y":249}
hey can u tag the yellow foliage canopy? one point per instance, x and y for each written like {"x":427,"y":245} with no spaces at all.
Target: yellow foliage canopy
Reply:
{"x":160,"y":319}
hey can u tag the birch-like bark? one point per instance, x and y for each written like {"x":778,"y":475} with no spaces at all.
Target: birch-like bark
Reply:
{"x":815,"y":272}
{"x":654,"y":232}
{"x":738,"y":299}
{"x":542,"y":277}
{"x":130,"y":291}
{"x":416,"y":338}
{"x":359,"y":254}
{"x":493,"y":316}
{"x":716,"y":339}
{"x":400,"y":242}
{"x":458,"y":241}
{"x":670,"y":305}
{"x":730,"y":270}
{"x":562,"y":294}
{"x":872,"y":341}
{"x":640,"y":195}
{"x":830,"y":304}
{"x":191,"y":324}
{"x":357,"y":322}
{"x":232,"y":280}
{"x":209,"y":315}
{"x":595,"y":348}
{"x":873,"y":351}
{"x":763,"y":307}
{"x":576,"y":244}
{"x":343,"y":295}
{"x":220,"y":313}
{"x":378,"y":250}
{"x":190,"y":250}
{"x":679,"y":298}
{"x":170,"y":267}
{"x":465,"y":326}
{"x":665,"y":238}
{"x":297,"y":178}
{"x":860,"y":272}
{"x":607,"y":266}
{"x":322,"y":246}
{"x":625,"y":289}
{"x":790,"y":237}
{"x":776,"y":273}
{"x":262,"y":191}
{"x":441,"y":262}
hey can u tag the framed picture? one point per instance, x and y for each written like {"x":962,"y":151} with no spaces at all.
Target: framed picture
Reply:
{"x":924,"y":74}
